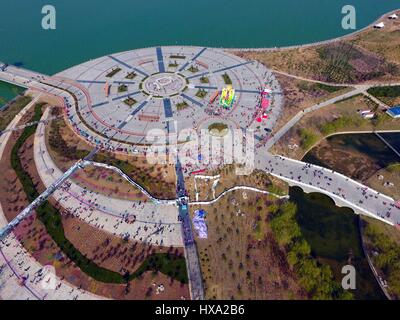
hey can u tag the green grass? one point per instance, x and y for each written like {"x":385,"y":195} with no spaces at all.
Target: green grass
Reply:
{"x":122,"y":88}
{"x":340,"y":123}
{"x":327,"y":88}
{"x":175,"y":56}
{"x":130,"y":75}
{"x":227,"y":79}
{"x":113,"y":72}
{"x":193,"y":69}
{"x":7,"y":115}
{"x":388,"y":92}
{"x":181,"y":105}
{"x":130,"y":102}
{"x":51,"y":218}
{"x":308,"y":138}
{"x":201,"y":93}
{"x":204,"y":79}
{"x":393,"y":167}
{"x":316,"y":278}
{"x":310,"y":86}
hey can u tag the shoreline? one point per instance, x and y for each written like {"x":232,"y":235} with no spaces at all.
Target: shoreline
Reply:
{"x":317,"y":43}
{"x":255,"y":49}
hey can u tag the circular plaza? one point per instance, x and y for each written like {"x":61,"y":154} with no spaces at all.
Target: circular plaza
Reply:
{"x":168,"y":88}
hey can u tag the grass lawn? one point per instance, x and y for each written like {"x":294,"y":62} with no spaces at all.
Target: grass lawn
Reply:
{"x":130,"y":75}
{"x":181,"y":105}
{"x":130,"y":102}
{"x":193,"y":69}
{"x":122,"y":88}
{"x":8,"y":114}
{"x":176,"y":56}
{"x":217,"y":126}
{"x":389,"y":95}
{"x":226,"y":78}
{"x":113,"y":72}
{"x":201,"y":93}
{"x":204,"y":79}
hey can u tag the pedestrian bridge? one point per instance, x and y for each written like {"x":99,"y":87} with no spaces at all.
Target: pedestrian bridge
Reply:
{"x":344,"y":191}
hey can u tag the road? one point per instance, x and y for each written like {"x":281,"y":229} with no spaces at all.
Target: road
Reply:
{"x":191,"y":254}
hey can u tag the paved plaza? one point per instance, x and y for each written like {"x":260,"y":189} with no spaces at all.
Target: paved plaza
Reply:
{"x":167,"y":88}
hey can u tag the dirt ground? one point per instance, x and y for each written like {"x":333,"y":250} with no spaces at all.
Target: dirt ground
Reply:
{"x":229,"y":179}
{"x":300,"y":95}
{"x":241,"y":259}
{"x":381,"y":180}
{"x":348,"y":162}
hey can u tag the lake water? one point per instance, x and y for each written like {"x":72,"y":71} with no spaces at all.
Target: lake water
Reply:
{"x":333,"y":235}
{"x":8,"y":92}
{"x":92,"y":28}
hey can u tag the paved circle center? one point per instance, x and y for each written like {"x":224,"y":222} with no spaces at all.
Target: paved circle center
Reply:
{"x":164,"y":84}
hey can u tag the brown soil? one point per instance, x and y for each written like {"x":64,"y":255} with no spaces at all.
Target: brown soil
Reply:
{"x":300,"y":95}
{"x":229,"y":179}
{"x":369,"y":56}
{"x":240,"y":262}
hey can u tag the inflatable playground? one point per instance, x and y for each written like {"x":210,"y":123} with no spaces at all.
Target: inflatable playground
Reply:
{"x":265,"y":103}
{"x":227,"y":97}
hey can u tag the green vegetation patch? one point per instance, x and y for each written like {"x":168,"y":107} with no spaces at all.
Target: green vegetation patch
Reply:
{"x":193,"y":69}
{"x":327,"y":88}
{"x":177,"y":56}
{"x":181,"y":105}
{"x":387,"y":257}
{"x":217,"y":126}
{"x":122,"y":88}
{"x":389,"y":92}
{"x":172,"y":266}
{"x":226,"y":78}
{"x":113,"y":72}
{"x":130,"y":75}
{"x":204,"y":79}
{"x":173,"y":64}
{"x":7,"y":115}
{"x":311,"y":86}
{"x":340,"y":123}
{"x":393,"y":167}
{"x":201,"y":93}
{"x":130,"y":101}
{"x":308,"y":138}
{"x":316,"y":278}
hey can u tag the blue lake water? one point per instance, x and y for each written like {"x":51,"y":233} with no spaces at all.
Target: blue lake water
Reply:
{"x":92,"y":28}
{"x":8,"y":92}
